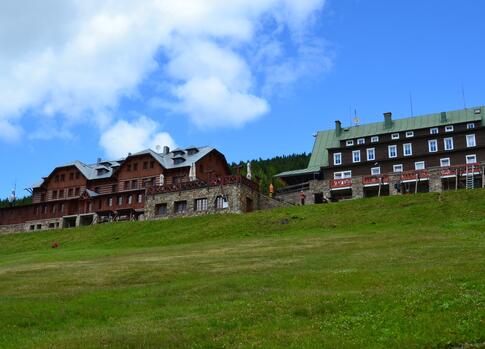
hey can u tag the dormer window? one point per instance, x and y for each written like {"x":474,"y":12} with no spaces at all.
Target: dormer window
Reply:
{"x":177,"y":161}
{"x":349,"y":143}
{"x":192,"y":151}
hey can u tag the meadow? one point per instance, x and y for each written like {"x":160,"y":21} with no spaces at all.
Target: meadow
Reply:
{"x":395,"y":272}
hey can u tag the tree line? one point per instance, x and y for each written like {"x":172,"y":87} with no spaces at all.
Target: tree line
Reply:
{"x":268,"y":168}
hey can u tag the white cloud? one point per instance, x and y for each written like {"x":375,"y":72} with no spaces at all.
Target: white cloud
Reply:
{"x":130,"y":137}
{"x":77,"y":59}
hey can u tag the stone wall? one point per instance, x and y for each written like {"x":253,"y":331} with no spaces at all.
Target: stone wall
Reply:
{"x":54,"y":223}
{"x":240,"y":198}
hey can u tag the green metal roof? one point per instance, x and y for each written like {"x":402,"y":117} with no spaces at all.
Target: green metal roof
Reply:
{"x":414,"y":123}
{"x":329,"y":139}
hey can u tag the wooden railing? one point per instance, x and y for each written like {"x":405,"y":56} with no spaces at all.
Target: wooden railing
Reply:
{"x":413,"y":175}
{"x":461,"y":170}
{"x":375,"y":180}
{"x":340,"y":183}
{"x":197,"y":184}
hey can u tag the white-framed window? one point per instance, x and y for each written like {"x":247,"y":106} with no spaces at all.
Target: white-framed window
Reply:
{"x":110,"y":202}
{"x":419,"y":165}
{"x":407,"y":149}
{"x":409,"y":134}
{"x":371,"y":154}
{"x":449,"y":128}
{"x":397,"y":168}
{"x":434,"y":131}
{"x":130,"y":199}
{"x":374,"y":171}
{"x":471,"y":159}
{"x":356,"y":156}
{"x":392,"y":150}
{"x":349,"y":143}
{"x":445,"y":162}
{"x":361,"y":141}
{"x":470,"y":125}
{"x":374,"y":139}
{"x":201,"y":204}
{"x":120,"y":200}
{"x":395,"y":136}
{"x":140,"y":198}
{"x":448,"y":143}
{"x":471,"y":141}
{"x":337,"y":159}
{"x":433,"y":145}
{"x":342,"y":174}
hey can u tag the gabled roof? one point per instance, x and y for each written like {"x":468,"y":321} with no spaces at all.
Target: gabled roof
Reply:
{"x":166,"y":160}
{"x":329,"y":139}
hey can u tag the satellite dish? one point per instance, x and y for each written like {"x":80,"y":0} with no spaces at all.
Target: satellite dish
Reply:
{"x":158,"y":148}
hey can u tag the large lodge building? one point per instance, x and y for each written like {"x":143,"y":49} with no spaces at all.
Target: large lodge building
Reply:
{"x":419,"y":154}
{"x":145,"y":185}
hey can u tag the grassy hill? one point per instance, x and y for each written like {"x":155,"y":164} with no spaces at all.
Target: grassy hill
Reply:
{"x":404,"y":272}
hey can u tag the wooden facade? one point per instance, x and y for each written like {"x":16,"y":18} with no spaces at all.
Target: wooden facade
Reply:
{"x":420,"y":150}
{"x":113,"y":189}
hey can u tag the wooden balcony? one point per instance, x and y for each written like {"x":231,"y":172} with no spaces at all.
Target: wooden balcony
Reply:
{"x":418,"y":175}
{"x":344,"y":183}
{"x":461,"y":170}
{"x":375,"y":180}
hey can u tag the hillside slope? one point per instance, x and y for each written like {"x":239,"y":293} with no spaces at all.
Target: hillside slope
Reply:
{"x":403,"y":272}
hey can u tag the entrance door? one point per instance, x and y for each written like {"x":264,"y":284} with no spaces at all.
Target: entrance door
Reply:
{"x":249,"y":205}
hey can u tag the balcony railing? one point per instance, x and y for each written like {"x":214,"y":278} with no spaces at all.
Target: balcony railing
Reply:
{"x":461,"y":170}
{"x":197,"y":184}
{"x":415,"y":175}
{"x":376,"y":180}
{"x":341,"y":183}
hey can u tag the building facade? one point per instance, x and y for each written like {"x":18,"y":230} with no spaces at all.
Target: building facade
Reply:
{"x":77,"y":194}
{"x":356,"y":161}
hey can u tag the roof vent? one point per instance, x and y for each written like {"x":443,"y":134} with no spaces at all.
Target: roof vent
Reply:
{"x":444,"y":117}
{"x":388,"y":120}
{"x":478,"y":111}
{"x":166,"y":150}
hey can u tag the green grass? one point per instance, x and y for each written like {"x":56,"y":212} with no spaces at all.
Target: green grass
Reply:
{"x":398,"y":272}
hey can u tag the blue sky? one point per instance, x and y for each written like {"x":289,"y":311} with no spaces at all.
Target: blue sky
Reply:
{"x":252,"y":79}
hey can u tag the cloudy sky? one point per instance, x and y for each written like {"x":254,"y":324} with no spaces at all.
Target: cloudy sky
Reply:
{"x":81,"y":79}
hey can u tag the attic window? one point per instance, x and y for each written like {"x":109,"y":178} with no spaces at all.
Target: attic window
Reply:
{"x":478,"y":111}
{"x":349,"y":143}
{"x":192,"y":151}
{"x":177,"y":161}
{"x":178,"y":152}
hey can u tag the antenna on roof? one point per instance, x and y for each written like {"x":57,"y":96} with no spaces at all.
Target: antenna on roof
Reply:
{"x":463,"y":96}
{"x":356,"y":119}
{"x":411,"y":103}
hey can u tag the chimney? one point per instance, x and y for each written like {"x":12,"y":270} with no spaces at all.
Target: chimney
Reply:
{"x":338,"y":127}
{"x":166,"y":150}
{"x":388,"y":120}
{"x":98,"y":161}
{"x":444,"y":117}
